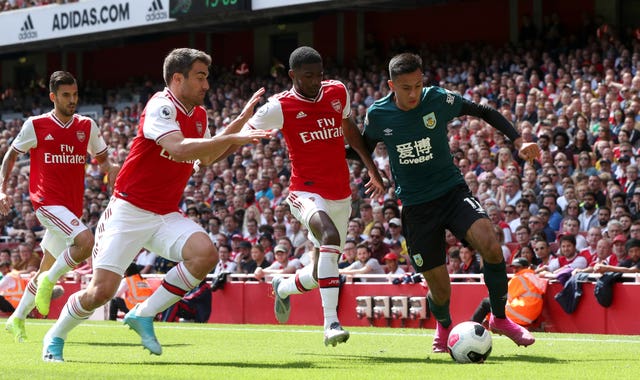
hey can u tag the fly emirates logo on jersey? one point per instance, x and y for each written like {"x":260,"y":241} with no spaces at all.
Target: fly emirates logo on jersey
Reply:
{"x":66,"y":156}
{"x":165,"y":154}
{"x":415,"y":152}
{"x":327,"y":131}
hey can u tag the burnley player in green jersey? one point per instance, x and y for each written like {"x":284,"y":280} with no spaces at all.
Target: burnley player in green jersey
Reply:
{"x":412,"y":123}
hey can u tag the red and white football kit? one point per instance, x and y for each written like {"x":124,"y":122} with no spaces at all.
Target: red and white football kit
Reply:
{"x":58,"y":153}
{"x":312,"y":129}
{"x":144,"y":213}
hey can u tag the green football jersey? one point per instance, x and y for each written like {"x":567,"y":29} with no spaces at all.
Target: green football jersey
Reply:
{"x":417,"y":143}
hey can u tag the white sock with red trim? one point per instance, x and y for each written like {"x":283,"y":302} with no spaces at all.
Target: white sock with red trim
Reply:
{"x":329,"y":282}
{"x":62,"y":265}
{"x":28,"y":300}
{"x":177,"y":282}
{"x":302,"y":282}
{"x":71,"y":315}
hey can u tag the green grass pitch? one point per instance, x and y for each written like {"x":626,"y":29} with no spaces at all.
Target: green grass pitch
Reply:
{"x":109,"y":350}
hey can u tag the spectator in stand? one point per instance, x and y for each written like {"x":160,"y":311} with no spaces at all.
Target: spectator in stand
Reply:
{"x":614,"y":228}
{"x":365,"y":264}
{"x":568,"y":260}
{"x":570,"y":226}
{"x":391,"y":265}
{"x":297,"y":234}
{"x":595,"y":186}
{"x":589,"y":217}
{"x":630,"y":265}
{"x":601,"y":255}
{"x":631,"y":183}
{"x":594,"y":235}
{"x":604,"y":215}
{"x":281,"y":265}
{"x":29,"y":260}
{"x":619,"y":254}
{"x":366,"y":216}
{"x":543,"y":254}
{"x":510,"y":215}
{"x":554,"y":217}
{"x":348,"y":253}
{"x":469,"y":263}
{"x":522,"y":206}
{"x":528,"y":253}
{"x":496,"y":218}
{"x":376,"y":243}
{"x":225,"y":264}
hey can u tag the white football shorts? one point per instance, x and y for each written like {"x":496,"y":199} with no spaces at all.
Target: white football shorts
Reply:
{"x":124,"y":229}
{"x":62,"y":228}
{"x":304,"y":205}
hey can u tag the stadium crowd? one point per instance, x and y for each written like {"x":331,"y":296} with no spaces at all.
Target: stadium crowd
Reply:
{"x":576,"y":96}
{"x":9,"y":5}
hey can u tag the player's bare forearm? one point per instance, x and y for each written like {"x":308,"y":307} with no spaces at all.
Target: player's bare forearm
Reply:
{"x":375,"y":186}
{"x":236,"y":125}
{"x":5,"y":170}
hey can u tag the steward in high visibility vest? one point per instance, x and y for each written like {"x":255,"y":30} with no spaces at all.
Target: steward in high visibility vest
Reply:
{"x":524,"y":300}
{"x":133,"y":290}
{"x":12,"y":287}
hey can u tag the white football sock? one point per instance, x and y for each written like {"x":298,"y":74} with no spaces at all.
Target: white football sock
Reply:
{"x":71,"y":315}
{"x":177,"y":282}
{"x":28,"y":300}
{"x":62,"y":265}
{"x":329,"y":282}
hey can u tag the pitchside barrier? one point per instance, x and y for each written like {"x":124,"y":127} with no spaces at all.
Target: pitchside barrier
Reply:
{"x":379,"y":302}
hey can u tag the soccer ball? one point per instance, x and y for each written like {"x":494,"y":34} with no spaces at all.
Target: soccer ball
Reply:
{"x":469,"y":342}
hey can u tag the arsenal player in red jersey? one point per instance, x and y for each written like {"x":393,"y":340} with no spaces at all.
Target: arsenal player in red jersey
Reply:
{"x":58,"y":143}
{"x":173,"y":136}
{"x":315,"y":117}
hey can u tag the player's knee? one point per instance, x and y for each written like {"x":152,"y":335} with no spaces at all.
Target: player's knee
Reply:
{"x":330,"y":236}
{"x":97,"y":296}
{"x":84,"y":241}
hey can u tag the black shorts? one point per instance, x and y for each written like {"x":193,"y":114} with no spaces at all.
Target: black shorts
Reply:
{"x":424,"y":225}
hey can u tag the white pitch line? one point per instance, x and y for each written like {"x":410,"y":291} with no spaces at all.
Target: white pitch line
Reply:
{"x":426,"y":333}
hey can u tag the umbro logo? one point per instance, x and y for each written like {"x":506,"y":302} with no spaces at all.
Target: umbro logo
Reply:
{"x":300,"y":115}
{"x":48,"y":138}
{"x":156,"y":6}
{"x":388,"y":132}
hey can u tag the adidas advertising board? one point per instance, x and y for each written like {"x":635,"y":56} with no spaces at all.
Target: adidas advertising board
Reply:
{"x":67,"y":20}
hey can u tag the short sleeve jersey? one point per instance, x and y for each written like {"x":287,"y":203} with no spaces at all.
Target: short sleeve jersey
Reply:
{"x":312,"y":129}
{"x":417,"y":143}
{"x":58,"y":153}
{"x":150,"y":178}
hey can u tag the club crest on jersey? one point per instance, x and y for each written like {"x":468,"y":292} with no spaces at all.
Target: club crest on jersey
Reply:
{"x":75,"y":223}
{"x":418,"y":259}
{"x":199,"y":127}
{"x":429,"y":120}
{"x":80,"y":135}
{"x":335,"y":103}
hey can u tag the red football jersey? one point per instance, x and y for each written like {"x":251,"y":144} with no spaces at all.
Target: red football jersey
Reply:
{"x":58,"y":155}
{"x":312,"y":129}
{"x":150,"y":178}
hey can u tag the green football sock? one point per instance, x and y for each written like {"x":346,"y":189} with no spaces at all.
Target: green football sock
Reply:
{"x":495,"y":277}
{"x":441,"y":312}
